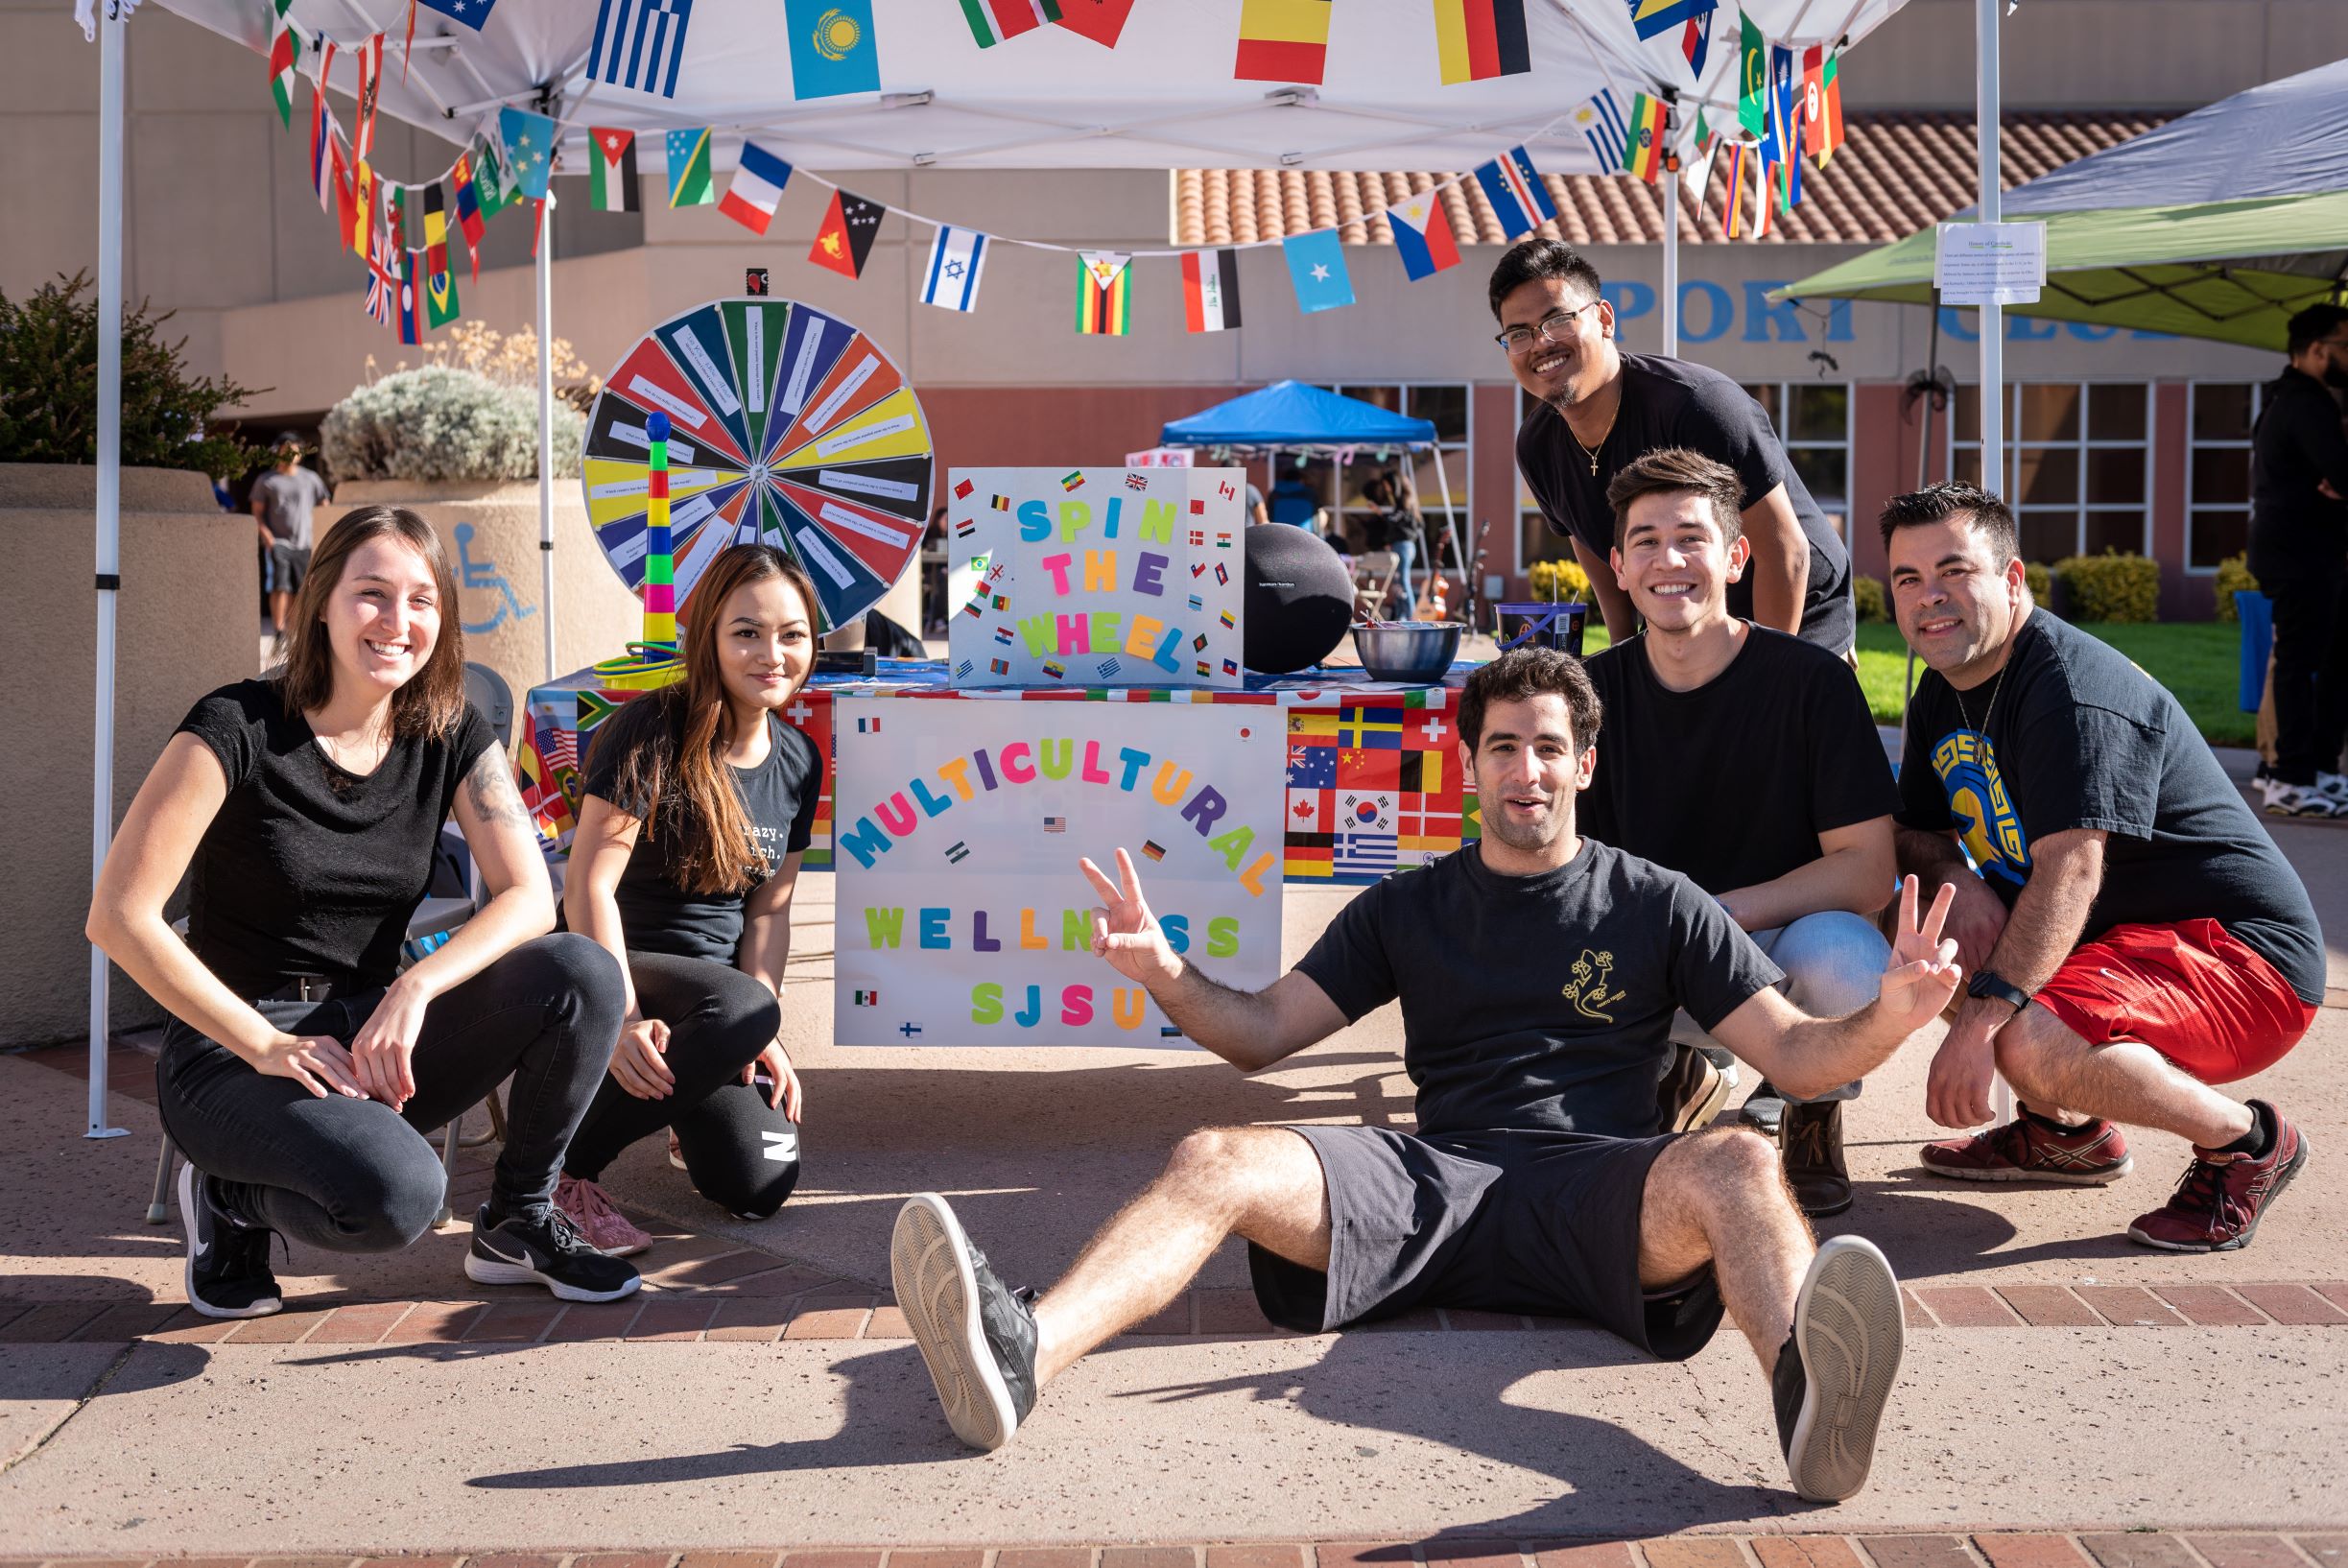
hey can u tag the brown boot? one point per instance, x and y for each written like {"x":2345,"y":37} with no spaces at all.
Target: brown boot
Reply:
{"x":1812,"y":1141}
{"x":1694,"y":1090}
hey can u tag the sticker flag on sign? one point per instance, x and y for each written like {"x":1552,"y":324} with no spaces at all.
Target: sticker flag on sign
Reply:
{"x":1154,"y":851}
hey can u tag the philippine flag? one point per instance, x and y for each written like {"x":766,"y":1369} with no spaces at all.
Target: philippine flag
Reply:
{"x":1422,"y":235}
{"x":758,"y":184}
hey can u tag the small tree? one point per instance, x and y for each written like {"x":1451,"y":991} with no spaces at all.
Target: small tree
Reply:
{"x":49,"y":388}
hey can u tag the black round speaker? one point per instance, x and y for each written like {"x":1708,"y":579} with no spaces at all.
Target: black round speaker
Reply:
{"x":1299,"y":597}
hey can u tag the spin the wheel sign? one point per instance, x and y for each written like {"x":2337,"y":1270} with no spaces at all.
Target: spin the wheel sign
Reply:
{"x":787,"y":427}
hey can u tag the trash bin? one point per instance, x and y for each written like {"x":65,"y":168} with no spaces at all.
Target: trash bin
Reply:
{"x":2257,"y":615}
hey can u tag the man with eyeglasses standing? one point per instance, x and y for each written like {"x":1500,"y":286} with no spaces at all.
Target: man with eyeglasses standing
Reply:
{"x":1597,"y":409}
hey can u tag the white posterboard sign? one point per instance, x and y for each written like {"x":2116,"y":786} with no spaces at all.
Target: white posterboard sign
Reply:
{"x":1990,"y":264}
{"x":1098,"y":576}
{"x":963,"y":919}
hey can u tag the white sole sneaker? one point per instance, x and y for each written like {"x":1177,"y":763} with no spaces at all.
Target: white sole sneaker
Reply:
{"x":929,"y":1262}
{"x":1849,"y":1328}
{"x":193,"y":1206}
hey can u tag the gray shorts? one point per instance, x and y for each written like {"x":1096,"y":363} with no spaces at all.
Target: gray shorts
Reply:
{"x":1521,"y":1222}
{"x":288,"y":564}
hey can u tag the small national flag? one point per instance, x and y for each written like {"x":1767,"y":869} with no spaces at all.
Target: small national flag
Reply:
{"x":1198,"y":644}
{"x":1003,"y":635}
{"x":382,"y":290}
{"x":488,"y":177}
{"x":958,"y":263}
{"x":1197,"y":603}
{"x":1519,"y":199}
{"x":867,"y":999}
{"x":962,"y":488}
{"x":1205,"y":670}
{"x":868,"y":726}
{"x":1813,"y":98}
{"x":371,"y":94}
{"x":1104,"y":292}
{"x":689,"y":182}
{"x":1103,"y":21}
{"x":1197,"y":537}
{"x":284,"y":50}
{"x":1830,"y":110}
{"x":440,"y":305}
{"x":1222,"y":575}
{"x":1109,"y":668}
{"x":991,"y":21}
{"x":1316,"y":268}
{"x":411,"y":298}
{"x":1732,"y":186}
{"x":757,"y":185}
{"x":1057,"y":671}
{"x":1073,"y":480}
{"x":1765,"y":185}
{"x":1210,"y":294}
{"x":1695,"y":43}
{"x":1055,"y":824}
{"x":1137,"y":482}
{"x":436,"y":229}
{"x":1476,"y":41}
{"x":611,"y":170}
{"x":321,"y":142}
{"x":833,"y":50}
{"x":468,"y":209}
{"x":1168,"y":1031}
{"x":1001,"y":503}
{"x":1753,"y":77}
{"x":1655,"y":18}
{"x":1154,"y":849}
{"x":530,"y":151}
{"x":361,"y":236}
{"x":1600,"y":121}
{"x":1643,"y":156}
{"x":1223,"y":539}
{"x":844,"y":237}
{"x":961,"y":671}
{"x":1423,"y":236}
{"x":473,"y":13}
{"x":1282,"y":40}
{"x":1228,"y":624}
{"x":1001,"y":667}
{"x":956,"y":852}
{"x":344,"y":204}
{"x":1779,"y":120}
{"x":639,"y":45}
{"x":1230,"y":667}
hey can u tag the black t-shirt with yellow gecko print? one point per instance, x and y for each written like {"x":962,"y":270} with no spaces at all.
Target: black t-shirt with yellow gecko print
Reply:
{"x":1539,"y":1003}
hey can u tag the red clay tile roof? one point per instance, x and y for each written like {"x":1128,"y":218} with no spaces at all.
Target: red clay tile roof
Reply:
{"x":1896,"y":173}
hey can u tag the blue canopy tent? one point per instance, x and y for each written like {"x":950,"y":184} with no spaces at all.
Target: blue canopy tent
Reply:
{"x":1292,"y":417}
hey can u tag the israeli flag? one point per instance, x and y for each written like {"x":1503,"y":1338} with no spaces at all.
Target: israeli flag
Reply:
{"x":958,"y":256}
{"x":639,"y":43}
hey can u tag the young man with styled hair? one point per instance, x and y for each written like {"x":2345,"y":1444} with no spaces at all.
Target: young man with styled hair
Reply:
{"x":1537,"y":972}
{"x":1747,"y":761}
{"x":1593,"y":410}
{"x":2133,"y":935}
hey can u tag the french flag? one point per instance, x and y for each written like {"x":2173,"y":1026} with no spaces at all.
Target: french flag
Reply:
{"x":1519,"y":199}
{"x":758,"y":184}
{"x":1423,"y":236}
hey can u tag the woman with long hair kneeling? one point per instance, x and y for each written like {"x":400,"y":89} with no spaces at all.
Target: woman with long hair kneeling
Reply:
{"x":302,"y":1068}
{"x":699,"y":802}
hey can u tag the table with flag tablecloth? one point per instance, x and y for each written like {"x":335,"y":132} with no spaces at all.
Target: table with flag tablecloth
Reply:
{"x":1374,"y":782}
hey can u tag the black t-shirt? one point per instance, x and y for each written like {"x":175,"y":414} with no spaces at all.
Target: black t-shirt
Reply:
{"x":1731,"y":784}
{"x":1670,"y":402}
{"x":308,"y":869}
{"x":2077,"y":736}
{"x":657,"y":913}
{"x":1539,"y":1003}
{"x":2296,"y":446}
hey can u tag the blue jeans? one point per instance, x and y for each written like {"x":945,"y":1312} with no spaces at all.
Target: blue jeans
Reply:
{"x":1834,"y":962}
{"x":1404,"y":552}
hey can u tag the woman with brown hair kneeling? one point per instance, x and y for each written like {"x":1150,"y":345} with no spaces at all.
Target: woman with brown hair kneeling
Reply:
{"x":700,"y":801}
{"x":302,"y":1068}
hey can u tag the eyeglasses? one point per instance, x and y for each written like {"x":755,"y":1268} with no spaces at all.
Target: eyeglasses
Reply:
{"x":1554,"y":327}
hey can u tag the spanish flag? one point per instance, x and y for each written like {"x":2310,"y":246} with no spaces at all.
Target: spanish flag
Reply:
{"x":1478,"y":39}
{"x":1282,"y":40}
{"x":1642,"y":150}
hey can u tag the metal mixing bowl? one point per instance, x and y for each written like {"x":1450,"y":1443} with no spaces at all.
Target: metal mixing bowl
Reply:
{"x":1416,"y":653}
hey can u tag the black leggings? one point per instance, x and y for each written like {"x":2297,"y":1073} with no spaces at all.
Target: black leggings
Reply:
{"x":741,"y":1153}
{"x":354,"y":1176}
{"x":2311,"y":622}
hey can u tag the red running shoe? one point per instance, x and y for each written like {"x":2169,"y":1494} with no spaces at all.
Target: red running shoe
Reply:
{"x":2028,"y":1148}
{"x":2217,"y":1207}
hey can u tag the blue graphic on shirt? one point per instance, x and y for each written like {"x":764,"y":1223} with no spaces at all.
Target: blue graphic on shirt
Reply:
{"x":1985,"y":816}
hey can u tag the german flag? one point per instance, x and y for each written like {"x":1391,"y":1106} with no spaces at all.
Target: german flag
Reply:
{"x":1154,"y":849}
{"x":1478,"y":39}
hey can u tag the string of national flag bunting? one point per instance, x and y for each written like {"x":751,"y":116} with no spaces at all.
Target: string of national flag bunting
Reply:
{"x":1789,"y":109}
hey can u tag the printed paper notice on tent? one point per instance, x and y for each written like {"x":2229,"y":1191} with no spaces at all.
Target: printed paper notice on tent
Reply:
{"x":1099,"y":577}
{"x":1990,"y":264}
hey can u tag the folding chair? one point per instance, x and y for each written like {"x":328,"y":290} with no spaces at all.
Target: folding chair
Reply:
{"x":1373,"y":579}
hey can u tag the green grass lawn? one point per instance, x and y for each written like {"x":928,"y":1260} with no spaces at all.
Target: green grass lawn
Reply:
{"x":2195,"y":659}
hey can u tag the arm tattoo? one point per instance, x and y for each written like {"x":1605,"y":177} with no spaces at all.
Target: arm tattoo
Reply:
{"x":490,"y":786}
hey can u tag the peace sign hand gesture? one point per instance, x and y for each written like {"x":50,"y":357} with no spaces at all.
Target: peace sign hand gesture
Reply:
{"x":1923,"y":972}
{"x":1124,"y":932}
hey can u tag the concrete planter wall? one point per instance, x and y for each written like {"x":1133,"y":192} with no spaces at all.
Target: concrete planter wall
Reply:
{"x":491,"y":531}
{"x":186,"y":625}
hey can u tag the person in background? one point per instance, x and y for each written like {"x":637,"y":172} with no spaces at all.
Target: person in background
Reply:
{"x":700,"y":801}
{"x":2299,"y":554}
{"x":1406,"y":532}
{"x":1290,"y":501}
{"x":284,"y":501}
{"x":1255,"y":512}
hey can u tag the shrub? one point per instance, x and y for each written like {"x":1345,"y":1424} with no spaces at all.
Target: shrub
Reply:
{"x":1559,"y":581}
{"x":439,"y":423}
{"x":49,"y":388}
{"x":2111,"y":586}
{"x":1874,"y":604}
{"x":2232,"y":576}
{"x":2041,"y":584}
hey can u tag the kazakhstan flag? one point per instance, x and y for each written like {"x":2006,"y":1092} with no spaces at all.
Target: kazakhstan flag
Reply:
{"x":833,"y":50}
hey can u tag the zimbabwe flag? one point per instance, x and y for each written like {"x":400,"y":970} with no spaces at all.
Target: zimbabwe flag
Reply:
{"x":1105,"y":290}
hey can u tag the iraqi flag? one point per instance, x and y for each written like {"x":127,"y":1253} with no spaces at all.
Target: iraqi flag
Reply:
{"x":611,"y":170}
{"x":1422,"y":235}
{"x":1519,"y":199}
{"x":1210,"y":290}
{"x":757,"y":185}
{"x":957,"y":261}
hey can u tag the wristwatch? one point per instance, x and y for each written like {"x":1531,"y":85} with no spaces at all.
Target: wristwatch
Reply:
{"x":1991,"y":983}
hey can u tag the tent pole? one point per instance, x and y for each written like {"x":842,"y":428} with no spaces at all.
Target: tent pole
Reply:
{"x":546,"y":425}
{"x":1992,"y":315}
{"x":1670,"y":265}
{"x":1451,"y":529}
{"x":111,"y":46}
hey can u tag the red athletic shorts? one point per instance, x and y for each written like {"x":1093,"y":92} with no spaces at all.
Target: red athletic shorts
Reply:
{"x":2203,"y":1000}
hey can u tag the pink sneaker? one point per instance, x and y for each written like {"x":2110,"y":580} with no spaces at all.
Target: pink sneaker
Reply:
{"x":589,"y":1208}
{"x":2028,"y":1148}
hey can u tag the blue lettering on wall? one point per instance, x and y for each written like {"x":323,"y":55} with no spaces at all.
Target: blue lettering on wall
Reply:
{"x":1629,"y":297}
{"x":1719,"y":315}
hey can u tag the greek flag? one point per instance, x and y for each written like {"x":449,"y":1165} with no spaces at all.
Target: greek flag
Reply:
{"x":958,"y":256}
{"x":638,"y":43}
{"x":1604,"y":127}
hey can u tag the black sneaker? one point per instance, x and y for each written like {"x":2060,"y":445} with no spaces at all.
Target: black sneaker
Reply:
{"x":976,"y":1334}
{"x":1764,"y":1109}
{"x":227,"y":1261}
{"x":1813,"y":1140}
{"x":542,"y":1248}
{"x":1835,"y":1374}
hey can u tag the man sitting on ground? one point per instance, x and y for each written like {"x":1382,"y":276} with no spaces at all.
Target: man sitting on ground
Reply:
{"x":1747,"y":761}
{"x":2133,"y":935}
{"x":1537,"y":972}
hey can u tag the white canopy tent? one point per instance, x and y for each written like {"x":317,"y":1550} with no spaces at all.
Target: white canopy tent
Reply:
{"x":1049,"y":99}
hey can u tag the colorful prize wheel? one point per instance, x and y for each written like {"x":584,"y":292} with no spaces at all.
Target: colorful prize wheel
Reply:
{"x":787,"y":427}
